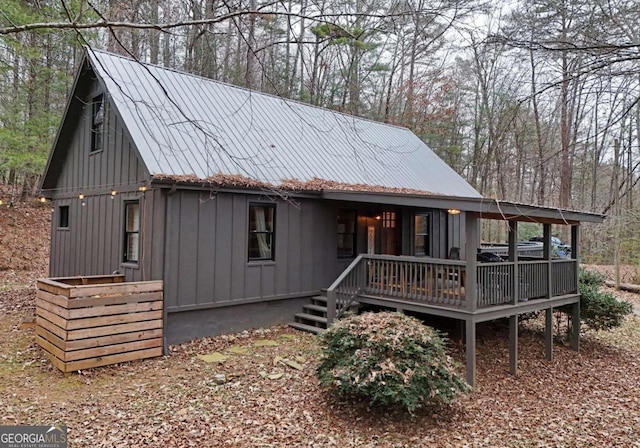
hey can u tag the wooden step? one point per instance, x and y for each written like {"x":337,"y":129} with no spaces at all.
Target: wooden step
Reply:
{"x":307,"y":328}
{"x":316,"y":308}
{"x":319,"y":300}
{"x":301,"y":317}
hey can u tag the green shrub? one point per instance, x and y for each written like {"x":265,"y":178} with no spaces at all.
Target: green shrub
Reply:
{"x":601,"y":310}
{"x":588,"y":278}
{"x":390,"y":359}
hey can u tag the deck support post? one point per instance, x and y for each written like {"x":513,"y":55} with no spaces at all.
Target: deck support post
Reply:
{"x":575,"y":250}
{"x":513,"y":344}
{"x":470,"y":349}
{"x":575,"y":327}
{"x":546,"y":254}
{"x":513,"y":257}
{"x":548,"y":334}
{"x":472,"y":243}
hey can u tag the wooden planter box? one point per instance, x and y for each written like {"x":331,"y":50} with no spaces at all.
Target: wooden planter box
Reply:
{"x":84,"y":322}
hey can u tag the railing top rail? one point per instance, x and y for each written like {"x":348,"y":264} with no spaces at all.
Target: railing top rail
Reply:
{"x":345,"y":273}
{"x":406,"y":258}
{"x":564,"y":260}
{"x":489,"y":264}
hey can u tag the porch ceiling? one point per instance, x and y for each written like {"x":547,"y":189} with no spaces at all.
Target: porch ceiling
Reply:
{"x":485,"y":208}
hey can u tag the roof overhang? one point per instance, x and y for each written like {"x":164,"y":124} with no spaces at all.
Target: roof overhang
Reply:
{"x":485,"y":208}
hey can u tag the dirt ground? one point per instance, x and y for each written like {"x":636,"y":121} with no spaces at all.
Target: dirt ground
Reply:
{"x":585,"y":399}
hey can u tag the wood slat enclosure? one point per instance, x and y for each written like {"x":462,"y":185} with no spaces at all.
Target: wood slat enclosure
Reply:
{"x":84,"y":322}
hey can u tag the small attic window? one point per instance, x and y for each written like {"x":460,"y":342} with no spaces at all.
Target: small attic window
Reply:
{"x":97,"y":122}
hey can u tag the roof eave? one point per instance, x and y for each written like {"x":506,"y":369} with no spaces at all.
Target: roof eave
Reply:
{"x":486,"y":208}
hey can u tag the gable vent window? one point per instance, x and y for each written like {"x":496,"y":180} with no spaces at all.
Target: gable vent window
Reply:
{"x":97,"y":123}
{"x":132,"y":232}
{"x":261,"y":232}
{"x":63,"y":217}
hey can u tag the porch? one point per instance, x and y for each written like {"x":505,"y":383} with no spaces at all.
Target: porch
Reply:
{"x":469,"y":290}
{"x":444,"y":287}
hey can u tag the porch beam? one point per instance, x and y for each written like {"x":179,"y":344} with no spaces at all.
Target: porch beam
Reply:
{"x":513,"y":257}
{"x":548,"y":334}
{"x":472,"y":242}
{"x":513,"y":344}
{"x":488,"y":208}
{"x":546,"y":254}
{"x":470,"y":349}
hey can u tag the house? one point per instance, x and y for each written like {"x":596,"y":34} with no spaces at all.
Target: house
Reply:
{"x":247,"y":205}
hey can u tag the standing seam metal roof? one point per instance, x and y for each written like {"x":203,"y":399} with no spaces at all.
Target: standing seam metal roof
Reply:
{"x":183,"y":124}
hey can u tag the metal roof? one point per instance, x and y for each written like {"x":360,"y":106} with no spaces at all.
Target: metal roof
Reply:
{"x":186,"y":125}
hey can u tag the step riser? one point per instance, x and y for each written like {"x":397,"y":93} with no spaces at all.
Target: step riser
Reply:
{"x":313,"y":317}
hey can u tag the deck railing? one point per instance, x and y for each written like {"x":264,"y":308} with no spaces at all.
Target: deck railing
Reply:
{"x":533,"y":277}
{"x":343,"y":291}
{"x":429,"y":280}
{"x":495,"y":283}
{"x":439,"y":282}
{"x":564,"y":278}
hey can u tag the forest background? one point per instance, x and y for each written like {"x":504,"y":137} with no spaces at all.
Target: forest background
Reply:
{"x":535,"y":102}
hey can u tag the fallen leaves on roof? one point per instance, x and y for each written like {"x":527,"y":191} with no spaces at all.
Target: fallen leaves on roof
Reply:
{"x":286,"y":185}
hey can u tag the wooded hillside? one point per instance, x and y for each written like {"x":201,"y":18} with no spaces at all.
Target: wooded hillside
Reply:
{"x":532,"y":101}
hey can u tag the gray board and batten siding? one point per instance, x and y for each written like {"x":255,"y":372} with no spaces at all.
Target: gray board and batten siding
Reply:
{"x":207,"y":255}
{"x":92,"y":243}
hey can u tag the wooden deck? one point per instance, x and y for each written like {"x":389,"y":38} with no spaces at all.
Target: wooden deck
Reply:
{"x":469,"y":291}
{"x":438,"y":284}
{"x":84,"y":322}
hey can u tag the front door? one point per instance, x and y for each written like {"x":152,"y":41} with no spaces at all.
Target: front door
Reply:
{"x":391,"y":236}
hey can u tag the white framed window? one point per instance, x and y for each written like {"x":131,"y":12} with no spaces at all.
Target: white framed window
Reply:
{"x":131,"y":232}
{"x":262,"y":232}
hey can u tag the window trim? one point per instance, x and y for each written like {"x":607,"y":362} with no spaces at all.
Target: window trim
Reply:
{"x":267,"y":232}
{"x":125,"y":252}
{"x":427,"y":242}
{"x":97,"y":129}
{"x":354,"y":249}
{"x":59,"y":221}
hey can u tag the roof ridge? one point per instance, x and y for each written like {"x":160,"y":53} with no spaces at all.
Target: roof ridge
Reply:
{"x":258,"y":92}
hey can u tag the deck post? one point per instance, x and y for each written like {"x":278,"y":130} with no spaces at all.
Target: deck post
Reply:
{"x":546,"y":254}
{"x":513,"y":344}
{"x":548,"y":334}
{"x":513,"y":257}
{"x":331,"y":307}
{"x":575,"y":309}
{"x":470,"y":350}
{"x":575,"y":250}
{"x":575,"y":323}
{"x":472,"y":242}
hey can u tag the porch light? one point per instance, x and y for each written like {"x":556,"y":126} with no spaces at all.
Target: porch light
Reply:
{"x":0,"y":201}
{"x":81,"y":196}
{"x":378,"y":217}
{"x":113,"y":193}
{"x":43,"y":199}
{"x":453,"y":211}
{"x":142,"y":188}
